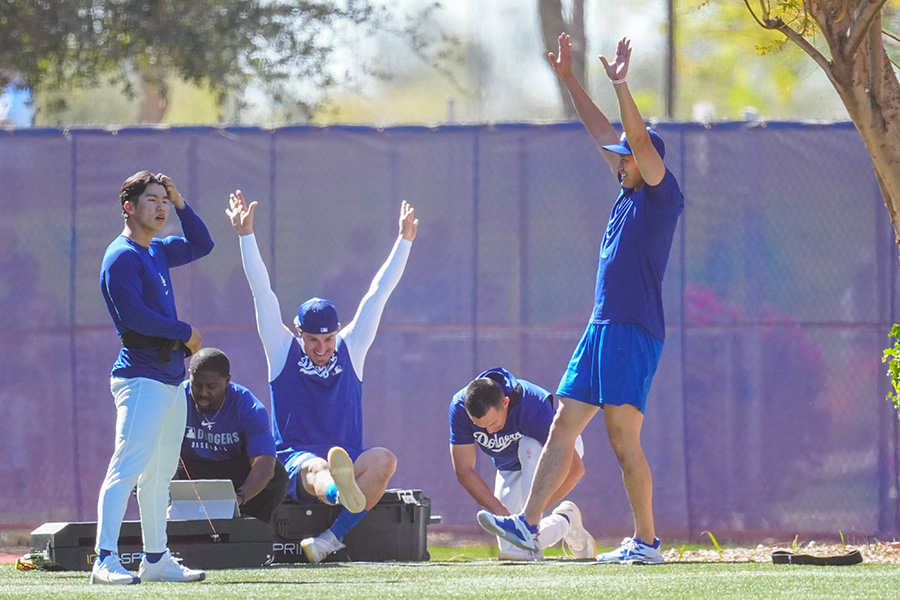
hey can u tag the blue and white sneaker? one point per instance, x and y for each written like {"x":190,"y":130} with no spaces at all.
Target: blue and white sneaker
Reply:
{"x":513,"y":529}
{"x":633,"y":552}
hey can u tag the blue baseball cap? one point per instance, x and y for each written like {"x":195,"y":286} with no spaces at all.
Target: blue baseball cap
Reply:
{"x":317,"y":316}
{"x":624,"y":148}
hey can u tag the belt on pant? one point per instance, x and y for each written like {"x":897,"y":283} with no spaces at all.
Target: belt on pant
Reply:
{"x":164,"y":346}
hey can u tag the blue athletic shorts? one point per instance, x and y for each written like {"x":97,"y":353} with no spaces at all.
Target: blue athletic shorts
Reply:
{"x":613,"y":364}
{"x":295,"y":487}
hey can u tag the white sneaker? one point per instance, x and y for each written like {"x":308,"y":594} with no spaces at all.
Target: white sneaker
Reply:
{"x":317,"y":548}
{"x":341,"y":468}
{"x":110,"y":571}
{"x":579,"y":541}
{"x":514,"y":553}
{"x":633,"y":551}
{"x":168,"y":568}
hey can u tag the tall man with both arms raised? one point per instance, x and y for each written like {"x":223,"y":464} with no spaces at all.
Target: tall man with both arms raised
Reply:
{"x":614,"y":363}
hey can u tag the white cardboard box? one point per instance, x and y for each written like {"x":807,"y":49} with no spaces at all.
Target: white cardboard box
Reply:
{"x":202,"y":499}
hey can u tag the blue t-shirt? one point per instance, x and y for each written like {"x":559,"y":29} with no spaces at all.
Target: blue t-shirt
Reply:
{"x":531,"y":410}
{"x":137,"y":288}
{"x":317,"y":407}
{"x":633,"y":256}
{"x":240,"y":428}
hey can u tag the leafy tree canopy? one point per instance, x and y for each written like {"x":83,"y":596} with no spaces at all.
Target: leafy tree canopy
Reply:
{"x":218,"y":44}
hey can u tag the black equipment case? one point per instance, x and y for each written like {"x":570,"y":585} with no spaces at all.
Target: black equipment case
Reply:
{"x":394,"y":530}
{"x":237,"y":543}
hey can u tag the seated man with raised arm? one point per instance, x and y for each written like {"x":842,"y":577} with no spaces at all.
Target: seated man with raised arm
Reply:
{"x":316,"y":374}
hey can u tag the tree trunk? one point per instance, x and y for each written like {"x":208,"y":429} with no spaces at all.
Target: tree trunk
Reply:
{"x":553,"y":23}
{"x":153,"y":94}
{"x":868,"y":87}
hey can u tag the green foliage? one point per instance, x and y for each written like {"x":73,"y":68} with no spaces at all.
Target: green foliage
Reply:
{"x":714,"y":541}
{"x":892,"y":358}
{"x":220,"y":45}
{"x":726,"y":58}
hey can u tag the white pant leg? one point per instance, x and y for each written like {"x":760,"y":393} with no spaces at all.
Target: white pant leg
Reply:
{"x":143,"y":408}
{"x":153,"y":484}
{"x":553,"y":528}
{"x":512,"y":487}
{"x":508,"y":489}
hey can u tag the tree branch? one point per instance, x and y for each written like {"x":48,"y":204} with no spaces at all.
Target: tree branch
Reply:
{"x":795,"y":36}
{"x":753,"y":14}
{"x":863,"y":17}
{"x":798,"y":39}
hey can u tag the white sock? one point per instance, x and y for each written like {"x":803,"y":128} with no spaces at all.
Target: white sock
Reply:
{"x":552,"y":529}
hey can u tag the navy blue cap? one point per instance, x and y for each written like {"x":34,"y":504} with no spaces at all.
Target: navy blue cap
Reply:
{"x":624,"y":148}
{"x":317,"y":316}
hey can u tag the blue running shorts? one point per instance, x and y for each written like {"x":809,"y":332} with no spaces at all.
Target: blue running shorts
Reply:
{"x":613,"y":364}
{"x":295,"y":487}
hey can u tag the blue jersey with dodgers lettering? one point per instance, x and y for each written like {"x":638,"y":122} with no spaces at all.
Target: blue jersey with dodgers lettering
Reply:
{"x":317,"y":407}
{"x":633,"y":256}
{"x":531,"y":410}
{"x":240,"y":428}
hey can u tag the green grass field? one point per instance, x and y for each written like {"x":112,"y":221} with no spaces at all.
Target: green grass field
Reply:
{"x":467,"y":573}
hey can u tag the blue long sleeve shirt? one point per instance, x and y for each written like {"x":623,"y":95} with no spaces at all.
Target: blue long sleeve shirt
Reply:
{"x":137,"y":288}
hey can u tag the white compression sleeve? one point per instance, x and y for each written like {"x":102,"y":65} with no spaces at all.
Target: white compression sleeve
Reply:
{"x":276,"y":337}
{"x":360,"y":332}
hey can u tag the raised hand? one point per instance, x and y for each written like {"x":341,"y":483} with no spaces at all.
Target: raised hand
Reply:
{"x":409,"y":224}
{"x":240,"y":213}
{"x":562,"y":63}
{"x":618,"y":69}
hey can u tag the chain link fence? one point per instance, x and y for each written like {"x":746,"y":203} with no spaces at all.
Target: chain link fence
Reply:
{"x":766,"y":416}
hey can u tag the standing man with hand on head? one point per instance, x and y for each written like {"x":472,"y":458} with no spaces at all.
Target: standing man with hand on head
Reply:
{"x":229,"y":436}
{"x":316,"y":374}
{"x":509,"y":419}
{"x":146,"y":378}
{"x":614,"y":363}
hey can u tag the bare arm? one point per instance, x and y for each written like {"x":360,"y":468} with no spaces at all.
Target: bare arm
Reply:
{"x":598,"y":126}
{"x":262,"y":469}
{"x":647,"y":158}
{"x":463,"y":458}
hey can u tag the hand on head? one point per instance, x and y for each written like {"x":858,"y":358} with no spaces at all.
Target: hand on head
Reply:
{"x":240,"y":213}
{"x":174,"y":197}
{"x":409,"y":224}
{"x":618,"y":69}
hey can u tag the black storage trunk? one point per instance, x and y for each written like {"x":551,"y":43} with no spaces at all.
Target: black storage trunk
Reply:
{"x":238,"y":543}
{"x":394,"y":530}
